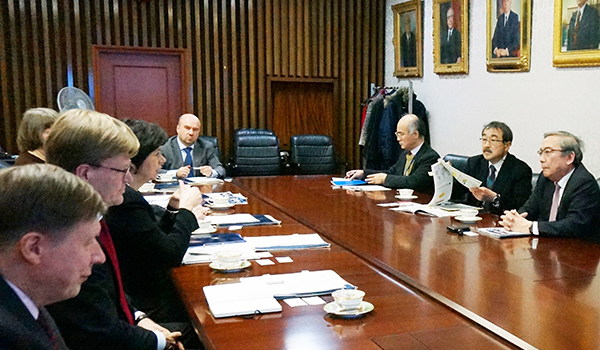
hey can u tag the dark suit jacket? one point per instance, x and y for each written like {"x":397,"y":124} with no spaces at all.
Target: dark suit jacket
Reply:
{"x":419,"y":179}
{"x":203,"y":154}
{"x":513,"y":182}
{"x":507,"y":36}
{"x":579,"y":210}
{"x":94,"y":318}
{"x":450,"y":49}
{"x":147,"y":250}
{"x":408,"y":50}
{"x":18,"y":329}
{"x":588,"y":33}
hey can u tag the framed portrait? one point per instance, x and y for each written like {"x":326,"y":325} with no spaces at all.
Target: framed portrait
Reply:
{"x":576,"y":33}
{"x":508,"y":35}
{"x":451,"y":36}
{"x":408,"y":39}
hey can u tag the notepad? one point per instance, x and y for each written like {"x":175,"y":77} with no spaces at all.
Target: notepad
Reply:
{"x":215,"y":239}
{"x":285,"y":242}
{"x":499,"y":232}
{"x":237,"y":299}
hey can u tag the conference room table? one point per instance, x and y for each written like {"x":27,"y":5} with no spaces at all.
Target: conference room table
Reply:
{"x":432,"y":289}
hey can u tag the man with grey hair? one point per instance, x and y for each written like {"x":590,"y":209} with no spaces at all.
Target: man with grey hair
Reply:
{"x":414,"y":163}
{"x":566,"y":198}
{"x":48,"y":230}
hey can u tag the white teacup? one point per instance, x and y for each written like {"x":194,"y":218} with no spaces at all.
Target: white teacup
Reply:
{"x":165,"y":177}
{"x":468,"y":213}
{"x":204,"y":225}
{"x":348,"y":299}
{"x":405,"y":192}
{"x":219,"y":201}
{"x":228,"y":258}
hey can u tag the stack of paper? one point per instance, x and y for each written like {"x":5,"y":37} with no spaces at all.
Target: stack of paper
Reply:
{"x":500,"y":232}
{"x":342,"y":181}
{"x":236,"y":299}
{"x":242,"y":219}
{"x":206,"y":253}
{"x":284,"y":242}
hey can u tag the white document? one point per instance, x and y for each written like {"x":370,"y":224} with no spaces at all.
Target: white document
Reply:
{"x":425,"y":209}
{"x":500,"y":232}
{"x":464,"y":179}
{"x":234,"y":299}
{"x":201,"y":180}
{"x":442,"y":181}
{"x":206,"y":253}
{"x":231,"y":219}
{"x":283,"y":242}
{"x":366,"y":188}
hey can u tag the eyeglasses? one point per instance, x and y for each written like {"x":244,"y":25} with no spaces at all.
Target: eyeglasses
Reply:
{"x":484,"y":140}
{"x":123,"y":171}
{"x":546,"y":151}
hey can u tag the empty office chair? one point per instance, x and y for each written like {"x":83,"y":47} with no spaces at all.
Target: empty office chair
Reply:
{"x":457,"y":161}
{"x":312,"y":154}
{"x":255,"y":152}
{"x":214,"y":141}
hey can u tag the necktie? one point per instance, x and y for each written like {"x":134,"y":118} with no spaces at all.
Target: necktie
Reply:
{"x":109,"y":247}
{"x":576,"y":26}
{"x":408,"y":164}
{"x":491,"y":177}
{"x":188,"y":160}
{"x":505,"y":19}
{"x":555,"y":202}
{"x":45,"y":321}
{"x":449,"y":34}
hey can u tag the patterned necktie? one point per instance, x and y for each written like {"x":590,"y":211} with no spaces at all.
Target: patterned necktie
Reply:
{"x":45,"y":321}
{"x":188,"y":160}
{"x":576,"y":26}
{"x":109,"y":247}
{"x":491,"y":177}
{"x":408,"y":164}
{"x":555,"y":202}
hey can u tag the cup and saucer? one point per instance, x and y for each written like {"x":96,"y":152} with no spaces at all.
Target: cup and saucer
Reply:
{"x":204,"y":226}
{"x":229,"y":261}
{"x":162,"y":178}
{"x":219,"y":203}
{"x":468,"y":216}
{"x":348,"y":303}
{"x":405,"y":194}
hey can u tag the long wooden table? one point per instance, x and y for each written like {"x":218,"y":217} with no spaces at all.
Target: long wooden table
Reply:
{"x":402,"y":319}
{"x":534,"y":292}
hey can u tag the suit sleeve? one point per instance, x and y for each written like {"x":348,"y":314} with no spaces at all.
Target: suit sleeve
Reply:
{"x":520,"y":189}
{"x":214,"y":161}
{"x":419,"y":178}
{"x":170,"y":155}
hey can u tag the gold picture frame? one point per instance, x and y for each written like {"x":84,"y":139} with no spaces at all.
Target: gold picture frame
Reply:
{"x":570,"y":49}
{"x":508,"y":37}
{"x":408,"y":48}
{"x":451,"y":36}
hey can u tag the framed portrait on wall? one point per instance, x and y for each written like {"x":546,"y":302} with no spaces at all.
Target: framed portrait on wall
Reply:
{"x":450,"y":36}
{"x":408,"y":39}
{"x":508,"y":35}
{"x":576,"y":33}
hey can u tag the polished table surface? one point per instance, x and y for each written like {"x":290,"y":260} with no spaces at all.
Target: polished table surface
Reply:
{"x":535,"y":292}
{"x":402,"y":319}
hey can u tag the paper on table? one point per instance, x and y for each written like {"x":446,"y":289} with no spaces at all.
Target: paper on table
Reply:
{"x":235,"y":299}
{"x":204,"y":254}
{"x":462,"y":178}
{"x":231,"y":219}
{"x":283,"y":242}
{"x":366,"y":188}
{"x":425,"y":209}
{"x":500,"y":232}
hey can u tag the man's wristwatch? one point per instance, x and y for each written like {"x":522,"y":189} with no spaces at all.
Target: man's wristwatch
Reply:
{"x":496,"y":201}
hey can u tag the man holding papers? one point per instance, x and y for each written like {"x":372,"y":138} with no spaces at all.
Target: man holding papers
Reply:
{"x":414,"y":164}
{"x":506,"y":180}
{"x":566,"y":198}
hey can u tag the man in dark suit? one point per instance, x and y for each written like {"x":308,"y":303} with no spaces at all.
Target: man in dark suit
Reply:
{"x":48,"y":230}
{"x":179,"y":148}
{"x":414,"y":163}
{"x":408,"y":45}
{"x":98,"y":149}
{"x":450,"y":46}
{"x":566,"y":198}
{"x":584,"y":28}
{"x":506,"y":41}
{"x":506,"y":180}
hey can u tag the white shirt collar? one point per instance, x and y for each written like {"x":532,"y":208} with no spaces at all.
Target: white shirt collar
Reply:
{"x":33,"y":310}
{"x":182,"y":146}
{"x":563,"y":182}
{"x":498,"y":164}
{"x":415,"y":150}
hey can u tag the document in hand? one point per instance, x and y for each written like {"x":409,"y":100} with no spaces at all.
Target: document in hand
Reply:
{"x":236,"y":299}
{"x":500,"y":232}
{"x":285,"y":242}
{"x":443,"y":173}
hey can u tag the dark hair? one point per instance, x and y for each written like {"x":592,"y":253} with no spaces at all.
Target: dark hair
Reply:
{"x":46,"y":199}
{"x":507,"y":135}
{"x":569,"y":143}
{"x":150,"y":135}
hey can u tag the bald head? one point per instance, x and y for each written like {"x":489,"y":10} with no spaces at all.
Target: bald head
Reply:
{"x":188,"y":129}
{"x":409,"y":131}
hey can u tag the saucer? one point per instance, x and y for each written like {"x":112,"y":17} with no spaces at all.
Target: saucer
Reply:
{"x":363,"y":308}
{"x":209,"y":229}
{"x":406,"y":198}
{"x":467,"y":219}
{"x":240,"y":266}
{"x":166,"y":180}
{"x":220,"y":206}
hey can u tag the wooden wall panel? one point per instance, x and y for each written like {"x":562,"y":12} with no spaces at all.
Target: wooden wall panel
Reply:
{"x":234,"y":45}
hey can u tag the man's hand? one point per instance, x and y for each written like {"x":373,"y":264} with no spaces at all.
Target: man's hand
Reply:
{"x":171,"y":337}
{"x":513,"y":221}
{"x":206,"y":170}
{"x":376,"y":179}
{"x":483,"y":194}
{"x":355,"y":174}
{"x":183,"y":172}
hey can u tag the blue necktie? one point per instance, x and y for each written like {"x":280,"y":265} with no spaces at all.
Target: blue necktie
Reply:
{"x":188,"y":160}
{"x":492,"y":177}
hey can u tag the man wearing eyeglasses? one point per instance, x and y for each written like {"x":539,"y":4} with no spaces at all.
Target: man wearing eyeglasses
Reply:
{"x":414,"y":163}
{"x":506,"y":180}
{"x":98,"y":149}
{"x":566,"y":198}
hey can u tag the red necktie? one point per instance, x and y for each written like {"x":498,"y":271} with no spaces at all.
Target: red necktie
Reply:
{"x":108,"y":245}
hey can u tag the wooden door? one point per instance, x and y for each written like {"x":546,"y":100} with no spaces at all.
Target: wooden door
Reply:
{"x":142,"y":83}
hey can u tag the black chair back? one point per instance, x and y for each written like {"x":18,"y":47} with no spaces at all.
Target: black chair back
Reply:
{"x":256,"y":152}
{"x":312,"y":154}
{"x":457,"y":161}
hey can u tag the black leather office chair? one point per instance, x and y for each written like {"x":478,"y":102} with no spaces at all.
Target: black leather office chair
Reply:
{"x":214,"y":141}
{"x":255,"y":152}
{"x":534,"y":179}
{"x":457,"y":161}
{"x":312,"y":154}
